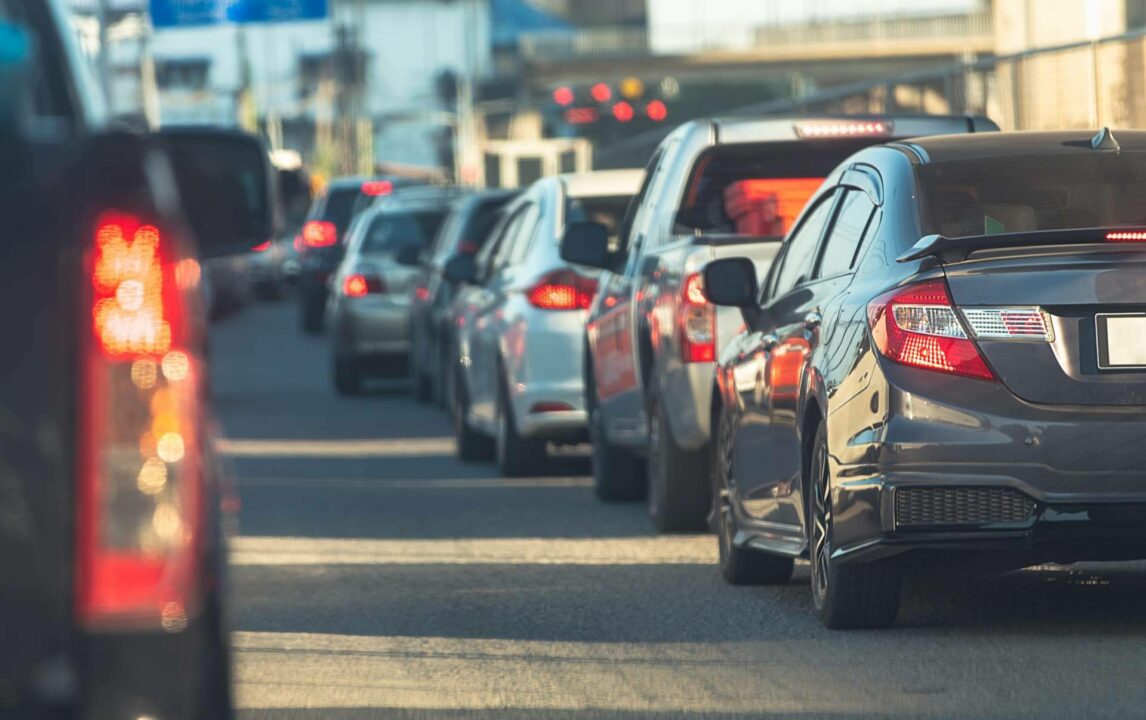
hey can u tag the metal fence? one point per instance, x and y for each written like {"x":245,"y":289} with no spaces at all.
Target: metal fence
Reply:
{"x":1083,"y":85}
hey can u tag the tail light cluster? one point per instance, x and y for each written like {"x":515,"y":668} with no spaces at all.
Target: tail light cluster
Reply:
{"x":562,"y":290}
{"x":697,"y":322}
{"x":919,"y":327}
{"x":361,"y":284}
{"x":140,"y":478}
{"x":317,"y":234}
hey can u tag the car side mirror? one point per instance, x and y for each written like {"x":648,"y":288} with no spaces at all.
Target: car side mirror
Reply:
{"x":461,"y":268}
{"x":586,"y":243}
{"x":409,"y":255}
{"x":227,"y":187}
{"x":731,"y":282}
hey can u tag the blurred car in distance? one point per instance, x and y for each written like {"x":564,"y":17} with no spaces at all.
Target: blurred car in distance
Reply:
{"x":112,"y":540}
{"x":470,"y":222}
{"x":321,"y":241}
{"x":520,"y":323}
{"x":369,"y":307}
{"x":918,"y":388}
{"x":273,"y":265}
{"x":715,"y":188}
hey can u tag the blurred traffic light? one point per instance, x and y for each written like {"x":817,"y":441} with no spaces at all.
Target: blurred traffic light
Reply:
{"x":656,"y":111}
{"x":623,"y":112}
{"x":563,"y":96}
{"x":582,"y":116}
{"x":601,"y":92}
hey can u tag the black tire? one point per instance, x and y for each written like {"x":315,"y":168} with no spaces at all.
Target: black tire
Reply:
{"x":680,"y":487}
{"x":517,"y":456}
{"x":846,"y":595}
{"x":739,"y":565}
{"x":472,"y":446}
{"x":348,"y":378}
{"x":618,"y":475}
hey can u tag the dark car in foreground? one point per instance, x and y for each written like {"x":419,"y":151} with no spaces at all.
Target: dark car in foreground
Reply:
{"x":112,"y":537}
{"x":945,"y":368}
{"x":468,"y":226}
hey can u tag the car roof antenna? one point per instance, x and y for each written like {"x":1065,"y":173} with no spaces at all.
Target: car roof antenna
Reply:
{"x":1104,"y":140}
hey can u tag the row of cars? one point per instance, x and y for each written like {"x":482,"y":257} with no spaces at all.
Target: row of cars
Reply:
{"x":883,"y":344}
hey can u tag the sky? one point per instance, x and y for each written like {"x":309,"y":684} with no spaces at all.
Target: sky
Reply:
{"x":677,"y":25}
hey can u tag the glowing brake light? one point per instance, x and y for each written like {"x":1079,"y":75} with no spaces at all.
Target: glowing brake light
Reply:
{"x":697,"y":322}
{"x":918,"y":326}
{"x":319,"y":234}
{"x":1126,"y":236}
{"x":562,"y":290}
{"x":262,"y":247}
{"x":362,"y":284}
{"x":139,"y":475}
{"x":843,"y":128}
{"x":377,"y":188}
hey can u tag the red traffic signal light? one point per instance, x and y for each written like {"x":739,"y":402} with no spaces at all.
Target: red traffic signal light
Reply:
{"x":601,"y":92}
{"x":563,"y":96}
{"x":623,"y":112}
{"x":656,"y":111}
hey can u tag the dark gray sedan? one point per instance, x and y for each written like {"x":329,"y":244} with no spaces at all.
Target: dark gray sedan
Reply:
{"x":946,"y":367}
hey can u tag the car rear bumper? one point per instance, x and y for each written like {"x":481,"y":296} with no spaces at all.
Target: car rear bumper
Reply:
{"x":543,"y":357}
{"x":960,"y":464}
{"x":371,"y":326}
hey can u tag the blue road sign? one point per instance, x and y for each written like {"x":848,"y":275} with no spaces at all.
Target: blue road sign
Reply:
{"x":185,"y":13}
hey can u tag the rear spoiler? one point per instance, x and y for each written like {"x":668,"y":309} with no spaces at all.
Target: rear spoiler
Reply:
{"x":955,"y":249}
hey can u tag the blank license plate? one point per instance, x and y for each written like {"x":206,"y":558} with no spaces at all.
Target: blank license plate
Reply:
{"x":1121,"y":341}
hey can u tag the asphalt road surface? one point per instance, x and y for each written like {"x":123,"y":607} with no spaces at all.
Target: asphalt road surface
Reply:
{"x":376,"y":576}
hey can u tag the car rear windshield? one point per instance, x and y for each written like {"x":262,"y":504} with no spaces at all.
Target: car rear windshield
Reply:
{"x":609,"y":210}
{"x":391,"y":231}
{"x":758,"y":189}
{"x":1062,"y":191}
{"x":339,"y":208}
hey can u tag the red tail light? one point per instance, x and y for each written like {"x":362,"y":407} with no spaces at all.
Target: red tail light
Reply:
{"x":262,"y":247}
{"x":1126,"y":236}
{"x":319,"y":234}
{"x":918,"y":326}
{"x":421,"y":293}
{"x":361,"y":285}
{"x":563,"y":290}
{"x":139,"y":477}
{"x":697,"y":322}
{"x":376,"y":188}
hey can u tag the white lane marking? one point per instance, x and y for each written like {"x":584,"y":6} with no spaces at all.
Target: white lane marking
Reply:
{"x":428,"y":484}
{"x":693,"y":549}
{"x":390,"y":447}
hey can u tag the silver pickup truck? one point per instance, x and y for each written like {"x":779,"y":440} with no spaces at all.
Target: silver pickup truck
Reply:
{"x":714,"y":188}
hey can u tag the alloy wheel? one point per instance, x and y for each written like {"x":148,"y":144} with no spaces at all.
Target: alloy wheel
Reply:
{"x":821,"y":550}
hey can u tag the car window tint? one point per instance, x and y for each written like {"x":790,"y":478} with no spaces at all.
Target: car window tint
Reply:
{"x":487,"y":255}
{"x":389,"y":232}
{"x":843,"y":239}
{"x":607,"y":210}
{"x":339,"y":207}
{"x":524,"y":233}
{"x":800,"y":248}
{"x":629,"y":218}
{"x":508,"y":239}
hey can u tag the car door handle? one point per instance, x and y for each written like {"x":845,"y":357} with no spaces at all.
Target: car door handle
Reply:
{"x":769,"y":342}
{"x":812,"y":320}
